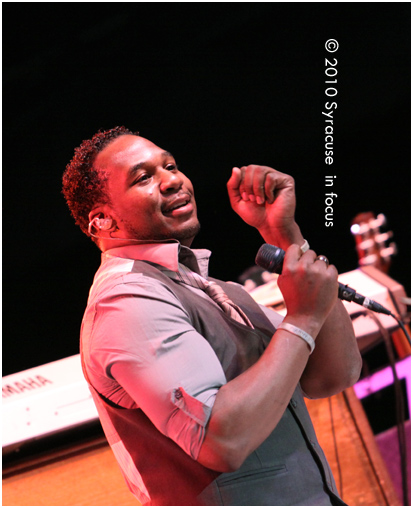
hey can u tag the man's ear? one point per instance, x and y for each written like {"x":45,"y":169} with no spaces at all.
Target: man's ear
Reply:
{"x":101,"y":219}
{"x":96,"y":213}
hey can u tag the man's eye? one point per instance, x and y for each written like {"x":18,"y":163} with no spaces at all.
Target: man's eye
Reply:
{"x":171,"y":167}
{"x":142,"y":178}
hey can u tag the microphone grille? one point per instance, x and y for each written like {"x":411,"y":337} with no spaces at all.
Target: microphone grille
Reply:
{"x":270,"y":258}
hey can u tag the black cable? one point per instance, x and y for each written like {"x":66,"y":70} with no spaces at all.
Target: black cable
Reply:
{"x":398,"y":398}
{"x":340,"y":478}
{"x":401,"y":324}
{"x":400,"y":416}
{"x":350,"y":409}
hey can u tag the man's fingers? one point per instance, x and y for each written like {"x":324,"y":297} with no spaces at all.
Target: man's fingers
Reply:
{"x":252,"y":186}
{"x":292,"y":255}
{"x":233,"y":184}
{"x":247,"y":189}
{"x":258,"y":184}
{"x":261,"y":183}
{"x":276,"y":182}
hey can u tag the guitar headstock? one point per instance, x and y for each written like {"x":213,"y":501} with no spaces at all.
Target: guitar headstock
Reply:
{"x":372,"y":244}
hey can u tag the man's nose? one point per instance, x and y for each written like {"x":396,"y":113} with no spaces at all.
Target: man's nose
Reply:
{"x":170,"y":181}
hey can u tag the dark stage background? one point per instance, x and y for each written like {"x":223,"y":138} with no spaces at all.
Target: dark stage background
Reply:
{"x":218,"y":85}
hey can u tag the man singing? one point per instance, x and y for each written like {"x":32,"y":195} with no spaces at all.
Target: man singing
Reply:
{"x":199,"y":389}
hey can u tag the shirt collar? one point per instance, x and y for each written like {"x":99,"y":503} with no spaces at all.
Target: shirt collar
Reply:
{"x":166,"y":254}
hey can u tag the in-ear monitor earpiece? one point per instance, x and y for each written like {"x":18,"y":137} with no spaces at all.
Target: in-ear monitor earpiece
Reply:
{"x":97,"y":223}
{"x":104,"y":224}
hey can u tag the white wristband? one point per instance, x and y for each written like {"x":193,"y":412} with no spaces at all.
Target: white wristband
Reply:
{"x":305,"y":246}
{"x":300,"y":333}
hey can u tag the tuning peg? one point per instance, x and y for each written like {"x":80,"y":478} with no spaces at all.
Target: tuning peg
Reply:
{"x":380,"y":221}
{"x":383,"y":237}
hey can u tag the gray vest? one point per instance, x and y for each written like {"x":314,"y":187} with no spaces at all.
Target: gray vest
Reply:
{"x":289,"y":468}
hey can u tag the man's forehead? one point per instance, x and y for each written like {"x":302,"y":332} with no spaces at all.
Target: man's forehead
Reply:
{"x":126,"y":149}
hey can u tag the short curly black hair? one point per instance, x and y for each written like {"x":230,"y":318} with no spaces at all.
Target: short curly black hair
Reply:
{"x":83,"y":185}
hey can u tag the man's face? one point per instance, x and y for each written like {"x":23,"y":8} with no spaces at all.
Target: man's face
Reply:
{"x":150,"y":198}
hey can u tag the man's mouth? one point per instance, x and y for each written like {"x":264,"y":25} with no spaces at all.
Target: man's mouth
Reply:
{"x":179,"y":206}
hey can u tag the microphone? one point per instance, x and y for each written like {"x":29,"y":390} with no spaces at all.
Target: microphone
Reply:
{"x":271,"y":258}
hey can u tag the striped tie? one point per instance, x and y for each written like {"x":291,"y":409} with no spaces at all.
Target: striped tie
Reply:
{"x":213,"y":290}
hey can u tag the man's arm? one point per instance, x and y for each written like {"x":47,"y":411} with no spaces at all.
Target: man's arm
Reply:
{"x":249,"y":407}
{"x":145,"y":369}
{"x":265,"y":199}
{"x":336,"y":361}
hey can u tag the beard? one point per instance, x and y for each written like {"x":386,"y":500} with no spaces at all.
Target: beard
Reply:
{"x":184,"y":235}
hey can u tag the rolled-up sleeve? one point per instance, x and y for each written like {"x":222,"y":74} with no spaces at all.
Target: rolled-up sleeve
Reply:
{"x":144,"y":352}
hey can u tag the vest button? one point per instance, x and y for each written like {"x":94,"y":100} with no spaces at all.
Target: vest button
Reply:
{"x":294,"y":403}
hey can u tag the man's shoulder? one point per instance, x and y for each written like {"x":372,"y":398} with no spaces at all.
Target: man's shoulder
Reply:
{"x":127,"y":277}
